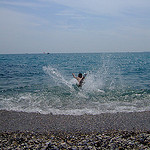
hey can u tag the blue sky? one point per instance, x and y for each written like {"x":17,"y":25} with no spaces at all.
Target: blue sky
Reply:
{"x":37,"y":26}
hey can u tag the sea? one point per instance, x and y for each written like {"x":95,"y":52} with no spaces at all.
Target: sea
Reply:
{"x":43,"y":83}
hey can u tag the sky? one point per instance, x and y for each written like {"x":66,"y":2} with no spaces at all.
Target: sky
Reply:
{"x":73,"y":26}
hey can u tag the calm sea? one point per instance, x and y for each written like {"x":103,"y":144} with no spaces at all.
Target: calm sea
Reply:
{"x":115,"y":82}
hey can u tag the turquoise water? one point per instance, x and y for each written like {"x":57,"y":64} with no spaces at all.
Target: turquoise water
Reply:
{"x":115,"y":82}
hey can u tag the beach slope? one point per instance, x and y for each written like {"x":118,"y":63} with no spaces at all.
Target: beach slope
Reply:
{"x":23,"y":121}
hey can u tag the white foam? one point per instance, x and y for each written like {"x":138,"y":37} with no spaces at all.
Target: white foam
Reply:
{"x":99,"y":90}
{"x":29,"y":103}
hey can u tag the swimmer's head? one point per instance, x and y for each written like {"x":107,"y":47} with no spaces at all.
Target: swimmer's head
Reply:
{"x":80,"y":75}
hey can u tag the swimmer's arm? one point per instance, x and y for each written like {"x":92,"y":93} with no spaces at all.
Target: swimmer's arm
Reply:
{"x":84,"y":76}
{"x":74,"y":76}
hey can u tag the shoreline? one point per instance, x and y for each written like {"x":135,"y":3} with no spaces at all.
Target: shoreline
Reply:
{"x":36,"y":122}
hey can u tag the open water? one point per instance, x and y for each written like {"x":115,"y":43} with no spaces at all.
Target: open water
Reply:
{"x":115,"y":82}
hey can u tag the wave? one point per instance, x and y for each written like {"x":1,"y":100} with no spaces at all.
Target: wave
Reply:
{"x":34,"y":103}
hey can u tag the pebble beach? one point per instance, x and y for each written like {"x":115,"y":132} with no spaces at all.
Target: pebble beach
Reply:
{"x":21,"y":130}
{"x":51,"y":141}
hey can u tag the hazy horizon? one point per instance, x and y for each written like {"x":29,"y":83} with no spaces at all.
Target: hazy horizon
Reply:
{"x":75,"y":52}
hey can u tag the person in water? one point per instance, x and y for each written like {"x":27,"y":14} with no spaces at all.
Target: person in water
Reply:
{"x":80,"y":78}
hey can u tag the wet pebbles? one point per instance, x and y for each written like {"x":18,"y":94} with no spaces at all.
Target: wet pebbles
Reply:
{"x":76,"y":141}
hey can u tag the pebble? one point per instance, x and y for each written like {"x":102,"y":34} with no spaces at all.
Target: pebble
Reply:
{"x":55,"y":141}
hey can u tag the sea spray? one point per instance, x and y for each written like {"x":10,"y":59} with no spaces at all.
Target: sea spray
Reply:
{"x":93,"y":82}
{"x":57,"y":77}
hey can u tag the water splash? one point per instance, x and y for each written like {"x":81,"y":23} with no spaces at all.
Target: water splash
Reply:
{"x":57,"y":77}
{"x":93,"y":82}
